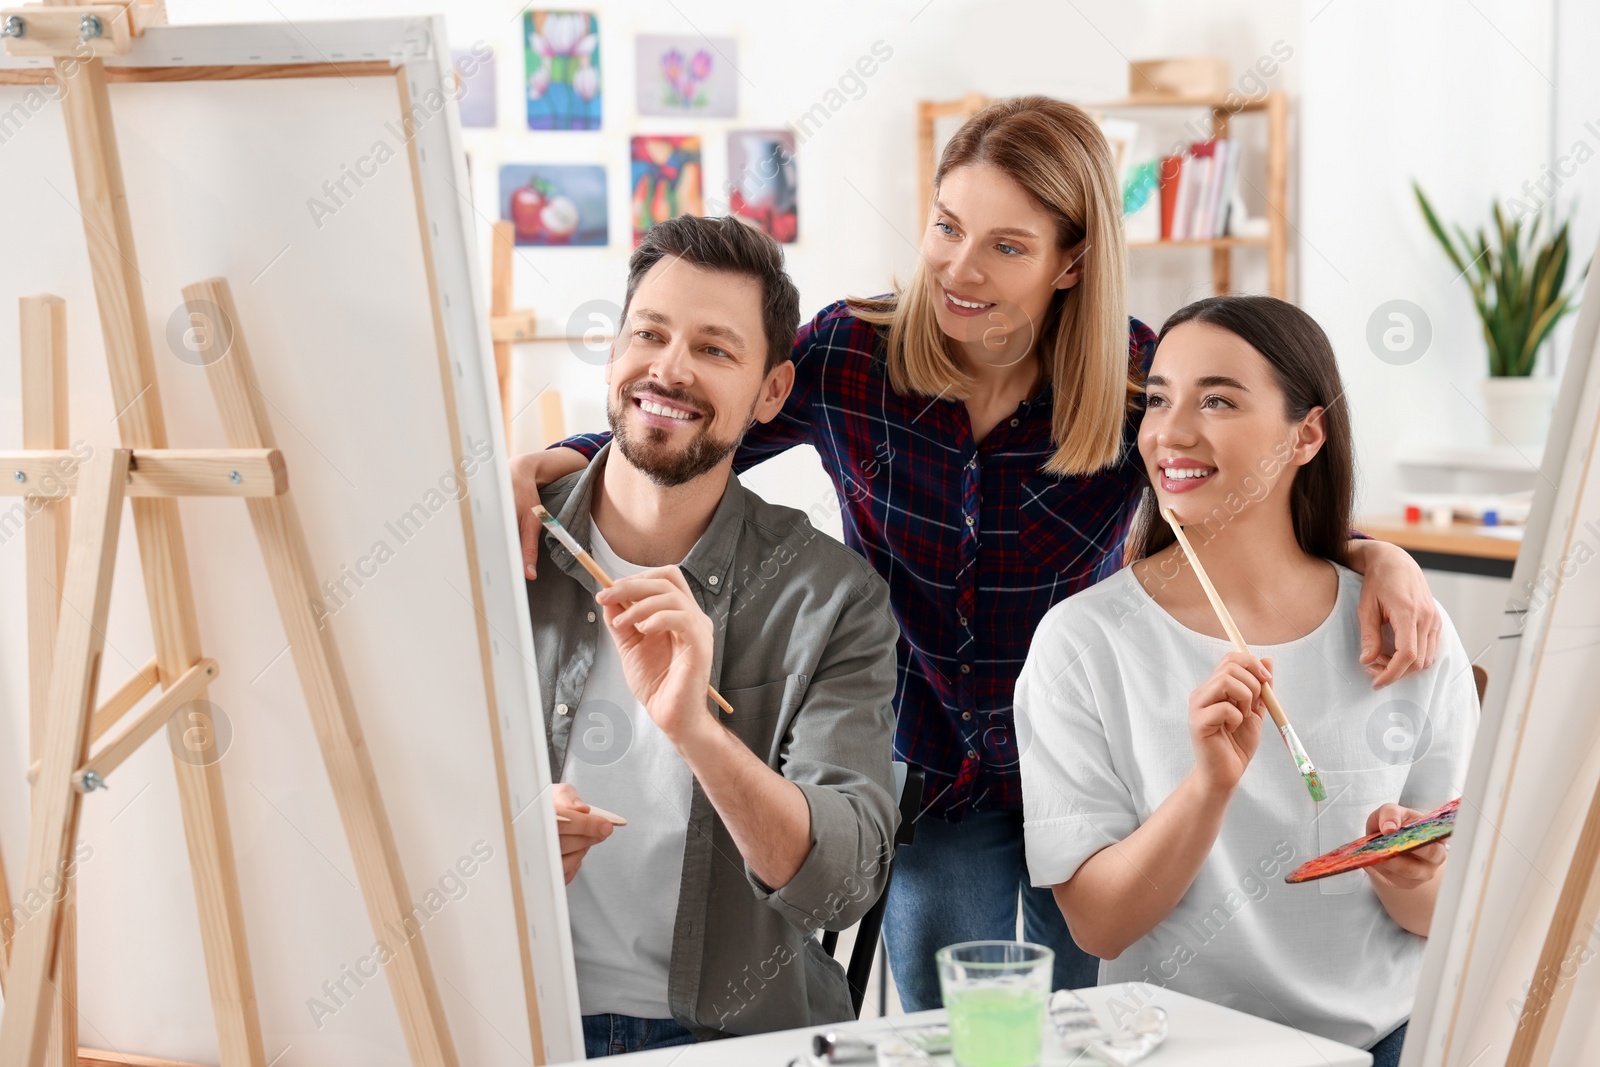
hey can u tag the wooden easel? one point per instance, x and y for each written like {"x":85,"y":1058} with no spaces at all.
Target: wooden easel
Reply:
{"x":1578,"y":906}
{"x":65,"y":646}
{"x":511,"y":327}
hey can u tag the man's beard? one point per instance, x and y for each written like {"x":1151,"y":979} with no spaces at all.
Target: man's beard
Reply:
{"x":650,"y":452}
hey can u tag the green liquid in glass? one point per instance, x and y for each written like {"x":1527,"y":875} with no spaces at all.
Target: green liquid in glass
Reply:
{"x":996,"y":1026}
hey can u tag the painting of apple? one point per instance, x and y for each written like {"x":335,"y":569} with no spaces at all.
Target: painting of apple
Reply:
{"x":526,"y":204}
{"x":559,"y":220}
{"x":557,"y":205}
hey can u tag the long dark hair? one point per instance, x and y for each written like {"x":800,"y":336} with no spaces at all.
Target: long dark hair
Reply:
{"x":1322,"y":494}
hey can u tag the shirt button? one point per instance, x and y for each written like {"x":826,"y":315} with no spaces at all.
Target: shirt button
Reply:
{"x":966,"y":714}
{"x":591,"y":616}
{"x":961,"y":620}
{"x":561,"y":709}
{"x":713,"y":579}
{"x":972,"y":464}
{"x":966,"y":668}
{"x":1015,"y":421}
{"x":971,"y":754}
{"x":971,"y":521}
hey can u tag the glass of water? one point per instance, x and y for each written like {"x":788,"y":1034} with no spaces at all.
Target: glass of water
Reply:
{"x":995,"y":994}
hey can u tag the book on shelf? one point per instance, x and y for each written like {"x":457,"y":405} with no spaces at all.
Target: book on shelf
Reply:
{"x":1198,"y":190}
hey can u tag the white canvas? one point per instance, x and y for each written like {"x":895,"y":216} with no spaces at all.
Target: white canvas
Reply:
{"x":228,"y":178}
{"x":1534,"y":770}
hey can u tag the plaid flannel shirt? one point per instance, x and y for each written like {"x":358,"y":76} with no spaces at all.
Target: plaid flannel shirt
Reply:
{"x":975,"y":541}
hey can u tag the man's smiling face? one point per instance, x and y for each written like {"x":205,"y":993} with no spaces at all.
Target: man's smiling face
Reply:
{"x":688,"y":371}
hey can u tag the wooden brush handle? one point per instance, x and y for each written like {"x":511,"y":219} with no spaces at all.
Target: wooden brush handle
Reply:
{"x":588,"y":564}
{"x":1267,"y":696}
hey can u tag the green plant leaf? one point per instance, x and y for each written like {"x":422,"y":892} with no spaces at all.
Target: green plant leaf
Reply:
{"x":1438,"y":230}
{"x":1518,"y":282}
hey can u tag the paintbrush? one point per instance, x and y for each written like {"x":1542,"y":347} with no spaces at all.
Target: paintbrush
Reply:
{"x":1301,"y":759}
{"x":609,"y":816}
{"x":570,"y":543}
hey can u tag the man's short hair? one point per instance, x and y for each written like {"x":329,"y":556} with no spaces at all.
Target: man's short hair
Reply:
{"x":735,"y":247}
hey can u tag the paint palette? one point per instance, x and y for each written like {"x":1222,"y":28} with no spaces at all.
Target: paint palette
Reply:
{"x":1375,"y":848}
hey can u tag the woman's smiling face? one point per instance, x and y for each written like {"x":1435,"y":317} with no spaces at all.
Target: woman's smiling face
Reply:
{"x":1215,"y":437}
{"x":994,"y":261}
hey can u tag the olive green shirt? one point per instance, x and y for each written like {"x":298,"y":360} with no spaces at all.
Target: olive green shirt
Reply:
{"x":805,"y":653}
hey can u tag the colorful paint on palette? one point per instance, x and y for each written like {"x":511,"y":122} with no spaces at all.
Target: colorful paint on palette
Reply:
{"x":1375,"y":848}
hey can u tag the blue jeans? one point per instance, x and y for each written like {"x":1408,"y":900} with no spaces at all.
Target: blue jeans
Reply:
{"x":959,"y":881}
{"x":612,"y":1035}
{"x":1386,"y":1053}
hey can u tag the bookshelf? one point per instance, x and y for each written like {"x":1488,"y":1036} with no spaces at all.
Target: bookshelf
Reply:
{"x":1273,"y":106}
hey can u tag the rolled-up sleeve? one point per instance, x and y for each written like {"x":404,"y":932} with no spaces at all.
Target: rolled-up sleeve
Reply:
{"x":839,"y":751}
{"x":587,"y":444}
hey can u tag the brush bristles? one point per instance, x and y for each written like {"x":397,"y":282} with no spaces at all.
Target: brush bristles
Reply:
{"x":1314,"y":785}
{"x":558,"y":531}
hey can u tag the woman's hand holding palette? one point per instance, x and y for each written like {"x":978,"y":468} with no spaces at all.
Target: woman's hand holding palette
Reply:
{"x":1375,"y":848}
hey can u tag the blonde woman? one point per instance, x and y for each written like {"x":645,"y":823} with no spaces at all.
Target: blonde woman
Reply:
{"x":977,"y":426}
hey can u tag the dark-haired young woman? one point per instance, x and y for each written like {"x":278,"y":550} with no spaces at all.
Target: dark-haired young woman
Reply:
{"x":1153,"y":806}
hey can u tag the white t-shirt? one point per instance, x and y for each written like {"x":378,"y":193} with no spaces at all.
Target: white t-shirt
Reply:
{"x":624,"y":900}
{"x":1102,"y":721}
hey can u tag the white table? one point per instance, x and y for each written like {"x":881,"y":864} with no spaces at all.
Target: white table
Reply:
{"x":1202,"y":1035}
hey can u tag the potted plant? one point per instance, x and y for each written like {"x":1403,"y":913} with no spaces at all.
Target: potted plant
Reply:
{"x":1519,"y":287}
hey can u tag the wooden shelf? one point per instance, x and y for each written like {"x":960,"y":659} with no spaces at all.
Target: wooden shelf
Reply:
{"x":1204,"y":242}
{"x":1460,"y":548}
{"x":1230,"y":103}
{"x":1274,"y":106}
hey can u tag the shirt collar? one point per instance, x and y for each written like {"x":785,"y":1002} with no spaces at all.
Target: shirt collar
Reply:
{"x":708,"y":562}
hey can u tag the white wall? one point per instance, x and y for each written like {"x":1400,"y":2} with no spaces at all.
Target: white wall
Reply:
{"x":1463,"y":98}
{"x":858,"y":224}
{"x":1459,"y":101}
{"x":1460,"y":98}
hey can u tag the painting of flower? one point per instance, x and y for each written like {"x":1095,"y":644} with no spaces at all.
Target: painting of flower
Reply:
{"x":762,"y":184}
{"x":687,"y":76}
{"x":666,"y":181}
{"x":474,"y":85}
{"x":563,"y":50}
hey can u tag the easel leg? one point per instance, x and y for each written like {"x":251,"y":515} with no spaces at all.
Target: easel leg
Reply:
{"x":53,"y":824}
{"x":1551,"y":992}
{"x":552,"y":424}
{"x":327,"y":692}
{"x":5,"y":927}
{"x":61,"y":1047}
{"x":503,"y":236}
{"x":119,"y":295}
{"x":44,"y":425}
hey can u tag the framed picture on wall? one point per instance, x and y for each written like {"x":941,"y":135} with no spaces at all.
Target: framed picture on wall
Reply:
{"x":665,"y":174}
{"x":762,"y":180}
{"x":555,"y":204}
{"x":687,"y":77}
{"x":937,"y":122}
{"x":563,"y":61}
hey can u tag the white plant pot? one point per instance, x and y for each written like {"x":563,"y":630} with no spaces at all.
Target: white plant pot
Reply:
{"x":1518,"y":410}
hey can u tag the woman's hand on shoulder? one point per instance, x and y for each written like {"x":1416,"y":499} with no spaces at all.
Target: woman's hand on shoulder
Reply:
{"x":1225,"y":713}
{"x":1394,"y":593}
{"x":531,"y":472}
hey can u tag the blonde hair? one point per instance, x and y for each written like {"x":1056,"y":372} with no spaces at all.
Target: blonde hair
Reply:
{"x":1057,"y":153}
